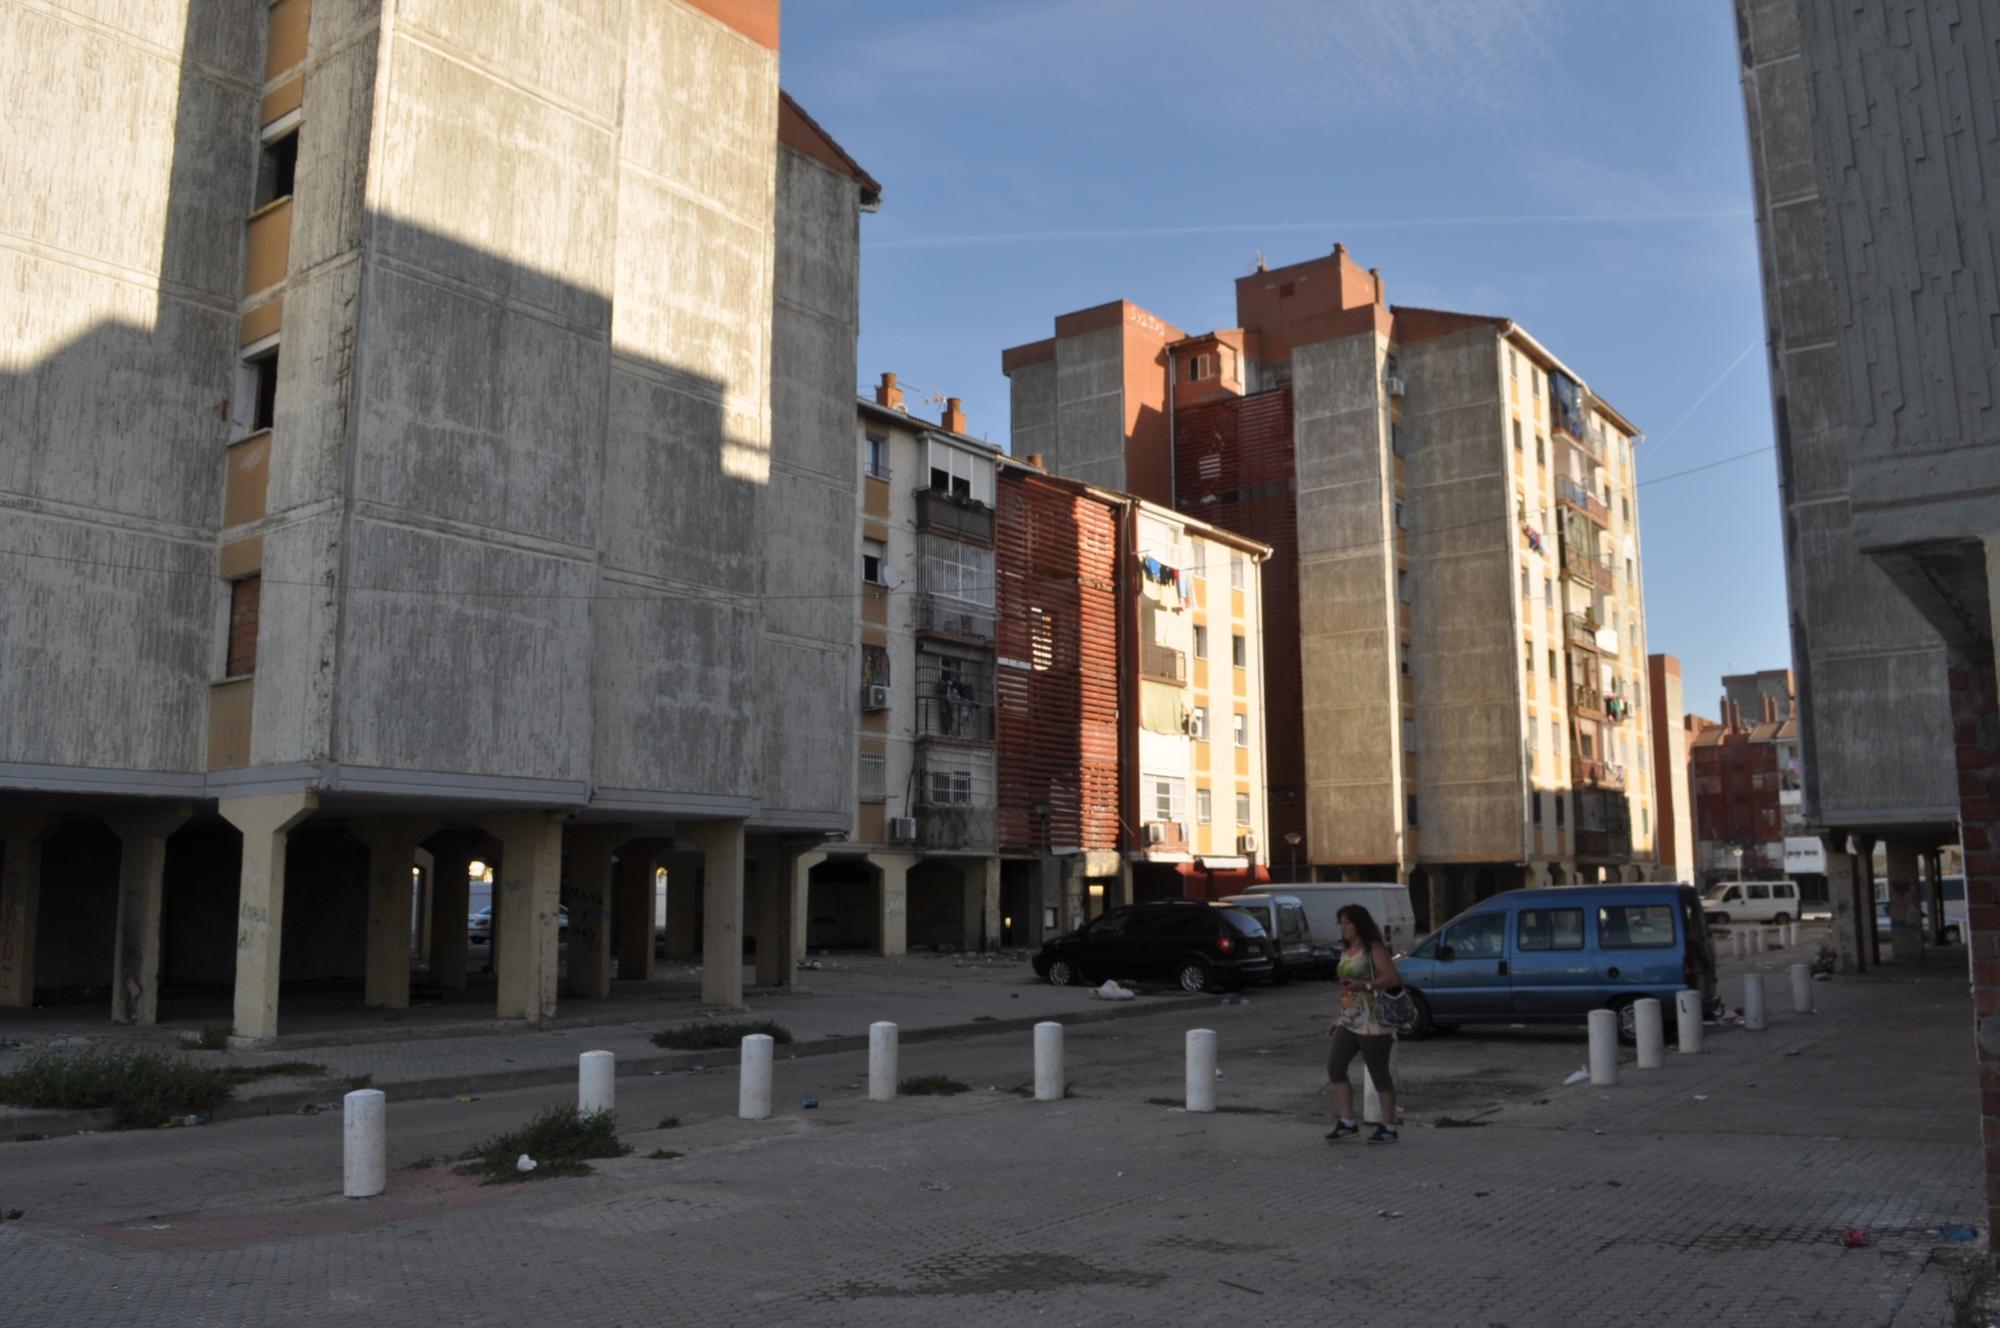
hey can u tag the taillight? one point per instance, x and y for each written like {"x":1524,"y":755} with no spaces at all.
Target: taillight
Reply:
{"x":1225,"y":943}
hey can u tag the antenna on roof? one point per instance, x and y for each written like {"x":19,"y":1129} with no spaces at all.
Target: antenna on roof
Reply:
{"x":1261,"y":265}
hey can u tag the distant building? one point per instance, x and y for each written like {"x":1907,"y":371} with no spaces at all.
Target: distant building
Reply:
{"x":1455,"y":624}
{"x":1666,"y":725}
{"x":1745,"y":778}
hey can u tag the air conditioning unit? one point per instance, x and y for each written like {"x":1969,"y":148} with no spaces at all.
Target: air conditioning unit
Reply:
{"x":902,"y":829}
{"x":875,"y":697}
{"x":1395,"y":384}
{"x":1246,"y":844}
{"x":1156,"y":833}
{"x":1197,"y":726}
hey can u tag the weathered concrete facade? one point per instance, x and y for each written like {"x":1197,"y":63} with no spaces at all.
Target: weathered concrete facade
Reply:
{"x":438,"y":419}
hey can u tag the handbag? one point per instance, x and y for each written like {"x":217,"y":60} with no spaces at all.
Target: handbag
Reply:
{"x":1395,"y":1009}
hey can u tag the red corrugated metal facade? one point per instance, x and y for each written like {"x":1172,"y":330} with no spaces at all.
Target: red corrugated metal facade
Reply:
{"x":1234,"y":467}
{"x":1056,"y":565}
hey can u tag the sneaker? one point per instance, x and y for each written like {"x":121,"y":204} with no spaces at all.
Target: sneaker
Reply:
{"x":1384,"y":1134}
{"x":1343,"y":1130}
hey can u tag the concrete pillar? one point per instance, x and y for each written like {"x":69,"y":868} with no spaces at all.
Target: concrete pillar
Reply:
{"x":632,"y":884}
{"x":777,"y":911}
{"x":980,"y":914}
{"x":1075,"y":893}
{"x":802,"y":867}
{"x":135,"y":947}
{"x":684,"y":895}
{"x":1124,"y":886}
{"x":426,"y":903}
{"x":721,"y":912}
{"x":588,"y":852}
{"x":21,"y":837}
{"x":526,"y":894}
{"x":451,"y":903}
{"x":1868,"y":942}
{"x":392,"y":852}
{"x":266,"y":822}
{"x":1934,"y":876}
{"x":892,"y":901}
{"x":1906,"y":925}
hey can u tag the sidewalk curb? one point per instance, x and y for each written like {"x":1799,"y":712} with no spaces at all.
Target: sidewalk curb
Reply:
{"x":29,"y":1126}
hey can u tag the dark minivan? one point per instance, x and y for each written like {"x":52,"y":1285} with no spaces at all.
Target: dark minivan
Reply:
{"x":1185,"y":941}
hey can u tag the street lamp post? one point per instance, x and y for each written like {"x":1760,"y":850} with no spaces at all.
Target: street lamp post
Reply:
{"x":1293,"y":839}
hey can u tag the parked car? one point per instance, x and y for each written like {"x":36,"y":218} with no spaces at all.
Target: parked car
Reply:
{"x":1954,"y":908}
{"x":1185,"y":941}
{"x":479,"y":926}
{"x":1386,"y":901}
{"x":1296,"y":950}
{"x":1554,"y":954}
{"x":1751,"y":901}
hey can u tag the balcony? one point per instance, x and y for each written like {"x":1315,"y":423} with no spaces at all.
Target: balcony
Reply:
{"x":1603,"y":844}
{"x":1577,"y":564}
{"x":1586,"y":699}
{"x":1575,"y":495}
{"x":1162,"y":663}
{"x":1598,"y":774}
{"x":951,"y":514}
{"x":960,"y":719}
{"x":943,"y":615}
{"x":955,"y":827}
{"x":1580,"y":630}
{"x":1163,"y":837}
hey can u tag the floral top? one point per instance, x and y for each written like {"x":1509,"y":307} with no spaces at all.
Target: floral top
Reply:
{"x":1357,"y":1008}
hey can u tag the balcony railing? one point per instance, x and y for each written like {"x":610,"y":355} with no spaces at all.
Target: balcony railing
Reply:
{"x":1602,"y":774}
{"x":1580,"y":498}
{"x":953,"y":617}
{"x":1603,"y":844}
{"x":1579,"y":631}
{"x":966,"y":518}
{"x":964,"y":719}
{"x":1586,"y":698}
{"x":956,"y":827}
{"x":1163,"y":663}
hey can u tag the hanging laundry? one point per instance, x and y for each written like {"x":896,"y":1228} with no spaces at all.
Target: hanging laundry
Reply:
{"x":1153,"y":568}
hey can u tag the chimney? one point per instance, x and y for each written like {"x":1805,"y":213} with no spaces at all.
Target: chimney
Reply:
{"x":954,"y":415}
{"x":1035,"y":460}
{"x":1376,"y":273}
{"x":888,"y":394}
{"x":1770,"y":709}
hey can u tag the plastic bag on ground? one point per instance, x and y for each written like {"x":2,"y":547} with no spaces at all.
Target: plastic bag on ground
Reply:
{"x":1111,"y":991}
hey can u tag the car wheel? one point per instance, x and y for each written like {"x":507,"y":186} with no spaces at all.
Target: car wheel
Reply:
{"x":1193,"y":976}
{"x":1063,"y":973}
{"x":1627,"y":1011}
{"x":1718,"y":919}
{"x":1424,"y":1026}
{"x":1781,"y":919}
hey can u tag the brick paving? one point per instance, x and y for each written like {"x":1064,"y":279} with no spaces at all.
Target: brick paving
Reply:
{"x":1715,"y":1193}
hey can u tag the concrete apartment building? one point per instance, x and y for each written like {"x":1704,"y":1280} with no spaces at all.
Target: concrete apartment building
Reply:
{"x":1665,"y":721}
{"x":429,"y":437}
{"x":1873,"y":147}
{"x":1144,"y":727}
{"x":1454,"y":617}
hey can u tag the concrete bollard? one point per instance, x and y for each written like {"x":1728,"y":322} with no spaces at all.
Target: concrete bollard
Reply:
{"x":1753,"y":1001}
{"x":1603,"y":1048}
{"x":1687,"y":1020}
{"x":1050,"y":1085}
{"x":1201,"y":1069}
{"x":1736,"y":944}
{"x":1801,"y":989}
{"x":364,"y":1143}
{"x":1651,"y":1033}
{"x":881,"y":1061}
{"x":753,"y":1091}
{"x":1774,"y":939}
{"x":596,"y":1079}
{"x":1791,"y":933}
{"x":1371,"y":1100}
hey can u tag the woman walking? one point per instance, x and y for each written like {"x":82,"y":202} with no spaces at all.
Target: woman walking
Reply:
{"x":1366,"y":967}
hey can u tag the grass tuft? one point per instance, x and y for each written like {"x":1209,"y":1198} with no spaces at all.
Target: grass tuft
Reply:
{"x":931,"y":1085}
{"x":718,"y":1037}
{"x":668,"y":1123}
{"x":139,"y":1088}
{"x":663,"y":1155}
{"x":560,"y":1140}
{"x":213,"y":1038}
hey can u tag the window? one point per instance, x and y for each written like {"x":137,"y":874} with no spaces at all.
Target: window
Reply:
{"x":1529,"y":659}
{"x":874,"y":666}
{"x":1535,"y":378}
{"x":1517,"y":435}
{"x":1198,"y":723}
{"x":1555,"y":735}
{"x":263,"y":390}
{"x":1537,"y":800}
{"x":1551,"y":929}
{"x":1549,"y":591}
{"x":1204,"y":806}
{"x":1396,"y":438}
{"x":950,"y":788}
{"x":1236,"y":571}
{"x":1409,"y":735}
{"x":1760,"y":892}
{"x":277,"y":168}
{"x":1513,"y":363}
{"x":1200,"y":367}
{"x":1630,"y":574}
{"x":244,"y":598}
{"x":1562,"y":805}
{"x":873,"y":779}
{"x":1541,"y":450}
{"x":1635,"y":926}
{"x":957,"y":570}
{"x":1240,"y":729}
{"x":960,"y":473}
{"x":1198,"y":561}
{"x":1626,"y":505}
{"x":1399,"y":515}
{"x":1200,"y":641}
{"x":1552,"y":664}
{"x":1239,"y":651}
{"x":1403,"y":584}
{"x":874,"y":562}
{"x":1645,"y":820}
{"x":878,"y":456}
{"x":1169,"y":800}
{"x":1403,"y":658}
{"x":1480,"y":937}
{"x":1534,"y":744}
{"x":1243,"y":809}
{"x":1410,"y":809}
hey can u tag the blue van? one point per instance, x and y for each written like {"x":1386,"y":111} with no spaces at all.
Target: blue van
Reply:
{"x":1554,"y":954}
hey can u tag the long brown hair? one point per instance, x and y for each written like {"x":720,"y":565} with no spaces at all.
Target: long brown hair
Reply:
{"x":1365,"y":929}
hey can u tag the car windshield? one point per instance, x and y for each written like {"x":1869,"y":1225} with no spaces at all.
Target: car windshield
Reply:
{"x":1717,"y":891}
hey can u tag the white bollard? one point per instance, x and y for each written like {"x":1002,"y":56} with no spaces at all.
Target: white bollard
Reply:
{"x":1049,"y":1082}
{"x":1603,"y":1048}
{"x":753,"y":1092}
{"x":1736,"y":944}
{"x":596,"y":1077}
{"x":1201,"y":1069}
{"x":1753,"y":1001}
{"x":1687,"y":1020}
{"x":1371,"y":1101}
{"x":1774,"y":939}
{"x":1791,"y":933}
{"x":1650,"y":1030}
{"x":1801,"y":989}
{"x":881,"y":1061}
{"x":364,"y":1143}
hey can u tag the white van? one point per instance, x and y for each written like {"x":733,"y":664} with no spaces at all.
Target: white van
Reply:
{"x":1751,"y":901}
{"x":1387,"y":902}
{"x":1300,"y":952}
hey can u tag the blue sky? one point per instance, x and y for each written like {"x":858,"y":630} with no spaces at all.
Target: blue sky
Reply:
{"x":1577,"y":165}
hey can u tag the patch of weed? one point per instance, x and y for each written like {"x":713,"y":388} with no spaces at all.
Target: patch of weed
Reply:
{"x":424,"y":1163}
{"x":243,"y":1074}
{"x":139,"y":1088}
{"x":932,"y":1085}
{"x":668,"y":1123}
{"x":561,"y":1141}
{"x":663,"y":1155}
{"x":718,"y":1037}
{"x":213,"y":1038}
